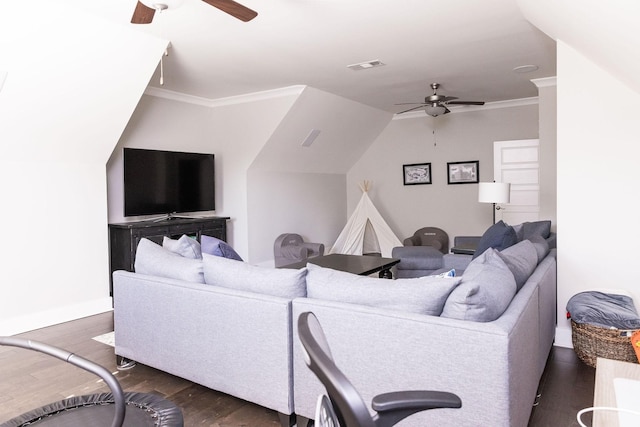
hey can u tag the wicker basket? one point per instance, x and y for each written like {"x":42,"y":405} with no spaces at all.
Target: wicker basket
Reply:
{"x":591,"y":342}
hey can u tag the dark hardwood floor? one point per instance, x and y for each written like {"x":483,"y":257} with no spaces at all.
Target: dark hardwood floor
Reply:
{"x":29,"y":380}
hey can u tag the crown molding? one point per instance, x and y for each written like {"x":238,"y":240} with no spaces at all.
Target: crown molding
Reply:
{"x":545,"y":81}
{"x":468,"y":108}
{"x":219,"y":102}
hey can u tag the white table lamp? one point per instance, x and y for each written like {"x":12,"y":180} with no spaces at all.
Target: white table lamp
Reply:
{"x":494,"y":192}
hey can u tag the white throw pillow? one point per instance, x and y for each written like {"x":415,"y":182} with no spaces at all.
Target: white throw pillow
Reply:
{"x":154,"y":260}
{"x":185,"y":246}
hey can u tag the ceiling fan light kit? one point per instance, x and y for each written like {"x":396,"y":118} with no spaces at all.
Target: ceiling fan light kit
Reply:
{"x":435,"y":110}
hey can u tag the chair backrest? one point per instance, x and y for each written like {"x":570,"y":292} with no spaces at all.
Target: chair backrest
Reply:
{"x":432,"y":236}
{"x":349,"y":406}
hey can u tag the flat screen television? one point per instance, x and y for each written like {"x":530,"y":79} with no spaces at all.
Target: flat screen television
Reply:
{"x":167,"y":182}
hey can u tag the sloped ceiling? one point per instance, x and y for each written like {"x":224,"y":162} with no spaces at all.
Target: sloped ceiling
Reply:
{"x":337,"y":131}
{"x":605,"y":32}
{"x":469,"y":46}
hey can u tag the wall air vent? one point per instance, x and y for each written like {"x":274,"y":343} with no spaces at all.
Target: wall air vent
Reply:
{"x":366,"y":65}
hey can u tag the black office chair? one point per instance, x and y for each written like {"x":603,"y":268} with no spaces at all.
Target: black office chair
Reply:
{"x":116,"y":408}
{"x":345,"y":407}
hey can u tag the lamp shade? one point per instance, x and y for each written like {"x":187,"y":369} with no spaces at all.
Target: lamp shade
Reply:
{"x":494,"y":192}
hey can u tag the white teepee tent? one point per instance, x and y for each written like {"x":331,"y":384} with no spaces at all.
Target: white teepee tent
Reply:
{"x":366,"y":231}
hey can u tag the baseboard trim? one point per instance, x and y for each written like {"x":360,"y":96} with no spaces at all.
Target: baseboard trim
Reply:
{"x":563,"y":337}
{"x":32,"y":321}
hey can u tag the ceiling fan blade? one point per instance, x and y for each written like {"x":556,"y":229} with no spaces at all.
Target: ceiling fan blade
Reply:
{"x":411,"y":109}
{"x":142,"y":14}
{"x":410,"y":103}
{"x":465,"y":103}
{"x":234,"y":9}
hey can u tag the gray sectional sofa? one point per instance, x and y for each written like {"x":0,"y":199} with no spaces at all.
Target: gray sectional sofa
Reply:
{"x":231,"y":326}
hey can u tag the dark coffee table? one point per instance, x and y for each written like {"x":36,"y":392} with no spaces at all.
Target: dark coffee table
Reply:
{"x":362,"y":265}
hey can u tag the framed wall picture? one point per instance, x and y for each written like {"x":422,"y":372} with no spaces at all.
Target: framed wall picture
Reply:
{"x":417,"y":173}
{"x":463,"y":172}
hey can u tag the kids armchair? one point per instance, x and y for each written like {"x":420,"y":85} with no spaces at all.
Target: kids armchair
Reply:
{"x":422,"y":253}
{"x":429,"y":236}
{"x":290,"y":248}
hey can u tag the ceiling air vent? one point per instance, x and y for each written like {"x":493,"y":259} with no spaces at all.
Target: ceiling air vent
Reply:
{"x":366,"y":65}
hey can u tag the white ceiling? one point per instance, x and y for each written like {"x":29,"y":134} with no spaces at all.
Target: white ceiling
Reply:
{"x":470,"y":47}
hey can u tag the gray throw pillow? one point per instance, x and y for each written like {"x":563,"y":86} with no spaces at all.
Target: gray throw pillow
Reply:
{"x":486,"y":290}
{"x":536,"y":228}
{"x":230,"y":273}
{"x":522,"y":259}
{"x":185,"y":246}
{"x":423,"y":295}
{"x":541,"y":245}
{"x":499,"y":236}
{"x":154,"y":260}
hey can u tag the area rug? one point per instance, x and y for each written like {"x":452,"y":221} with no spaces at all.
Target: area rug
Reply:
{"x":107,"y":339}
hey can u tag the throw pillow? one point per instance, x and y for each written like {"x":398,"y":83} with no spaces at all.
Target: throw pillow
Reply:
{"x":154,"y":260}
{"x":541,"y":245}
{"x":522,"y":259}
{"x":499,"y":236}
{"x":212,"y":246}
{"x":536,"y":228}
{"x":423,"y":295}
{"x":230,"y":273}
{"x":185,"y":246}
{"x":485,"y":292}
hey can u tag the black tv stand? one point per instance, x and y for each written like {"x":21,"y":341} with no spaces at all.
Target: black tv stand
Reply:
{"x":124,"y":237}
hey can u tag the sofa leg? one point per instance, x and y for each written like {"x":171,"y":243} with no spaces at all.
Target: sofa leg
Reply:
{"x":303,"y":421}
{"x":286,"y":420}
{"x":122,"y":363}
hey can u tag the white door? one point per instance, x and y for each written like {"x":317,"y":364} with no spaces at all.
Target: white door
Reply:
{"x":518,"y":163}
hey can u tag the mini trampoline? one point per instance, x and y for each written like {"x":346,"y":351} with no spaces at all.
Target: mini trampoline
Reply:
{"x":115,"y":409}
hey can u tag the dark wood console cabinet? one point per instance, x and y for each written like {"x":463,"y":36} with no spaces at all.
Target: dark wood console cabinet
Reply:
{"x":124,"y":237}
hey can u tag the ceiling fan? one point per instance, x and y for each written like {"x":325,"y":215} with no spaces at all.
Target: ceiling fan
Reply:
{"x":143,"y":14}
{"x":436,"y":105}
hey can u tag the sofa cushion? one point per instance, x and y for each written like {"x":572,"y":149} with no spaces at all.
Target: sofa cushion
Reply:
{"x":542,"y":246}
{"x":485,"y":292}
{"x":184,"y":246}
{"x":154,"y":260}
{"x":522,"y":259}
{"x":499,"y":236}
{"x":424,"y":295}
{"x":213,"y":246}
{"x":230,"y":273}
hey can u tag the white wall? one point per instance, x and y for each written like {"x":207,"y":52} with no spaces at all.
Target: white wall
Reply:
{"x":71,"y":86}
{"x":597,"y":143}
{"x":313,"y":205}
{"x":233,"y":132}
{"x":301,"y":189}
{"x":597,"y":182}
{"x":548,"y":112}
{"x":265,"y":180}
{"x":450,"y":138}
